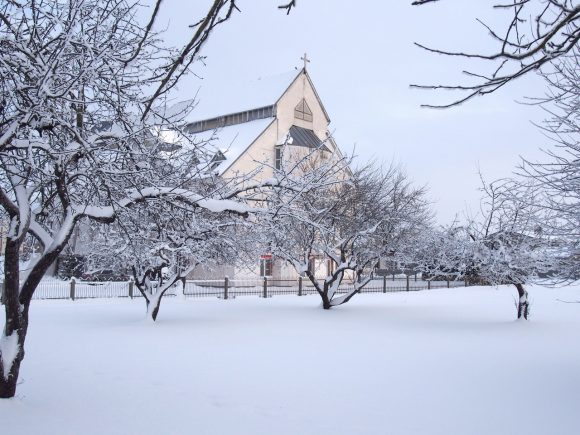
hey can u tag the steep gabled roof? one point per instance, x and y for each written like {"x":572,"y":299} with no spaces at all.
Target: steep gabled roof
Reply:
{"x":221,"y":99}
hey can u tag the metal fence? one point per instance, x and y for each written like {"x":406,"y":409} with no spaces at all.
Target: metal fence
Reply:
{"x":227,"y":288}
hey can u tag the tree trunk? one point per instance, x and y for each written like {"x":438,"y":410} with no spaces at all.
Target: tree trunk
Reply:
{"x":8,"y":386}
{"x":153,"y":300}
{"x":16,"y":305}
{"x":523,"y":303}
{"x":326,"y":304}
{"x":16,"y":322}
{"x":323,"y":292}
{"x":153,"y":293}
{"x":153,"y":307}
{"x":9,"y":375}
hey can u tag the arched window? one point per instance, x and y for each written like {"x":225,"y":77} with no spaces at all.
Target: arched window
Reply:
{"x":302,"y":111}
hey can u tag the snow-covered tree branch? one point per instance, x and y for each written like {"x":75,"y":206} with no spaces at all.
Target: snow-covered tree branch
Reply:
{"x":536,"y":34}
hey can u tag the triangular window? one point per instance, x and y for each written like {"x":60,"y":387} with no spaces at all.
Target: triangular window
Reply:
{"x":302,"y":111}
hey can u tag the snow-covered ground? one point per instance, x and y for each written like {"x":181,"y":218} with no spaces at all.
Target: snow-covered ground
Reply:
{"x":431,"y":362}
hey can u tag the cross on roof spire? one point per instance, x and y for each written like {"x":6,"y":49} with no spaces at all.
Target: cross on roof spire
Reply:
{"x":305,"y":59}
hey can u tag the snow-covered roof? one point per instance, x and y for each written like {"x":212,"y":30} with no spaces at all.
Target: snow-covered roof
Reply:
{"x":232,"y":141}
{"x":218,"y":99}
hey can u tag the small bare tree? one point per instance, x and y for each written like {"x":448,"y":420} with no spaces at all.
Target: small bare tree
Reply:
{"x":161,"y":244}
{"x":351,"y":224}
{"x":506,"y":243}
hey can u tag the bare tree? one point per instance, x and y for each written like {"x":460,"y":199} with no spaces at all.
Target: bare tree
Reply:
{"x":506,"y":242}
{"x":351,"y":225}
{"x":161,"y":244}
{"x":557,"y":177}
{"x":538,"y":32}
{"x":75,"y":82}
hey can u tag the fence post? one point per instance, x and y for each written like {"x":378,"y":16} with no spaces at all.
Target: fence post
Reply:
{"x":265,"y":287}
{"x":407,"y":282}
{"x":2,"y":296}
{"x":72,"y":288}
{"x":428,"y":284}
{"x":465,"y":280}
{"x":448,"y":283}
{"x":131,"y":284}
{"x":415,"y":277}
{"x":393,"y":277}
{"x":299,"y":286}
{"x":384,"y":283}
{"x":226,"y":287}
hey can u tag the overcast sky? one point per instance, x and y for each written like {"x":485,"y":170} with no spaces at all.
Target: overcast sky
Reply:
{"x":363,"y":61}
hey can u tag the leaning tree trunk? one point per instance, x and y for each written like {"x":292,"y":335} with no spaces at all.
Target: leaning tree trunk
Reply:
{"x":523,"y":302}
{"x":11,"y":356}
{"x":17,"y":300}
{"x":14,"y":333}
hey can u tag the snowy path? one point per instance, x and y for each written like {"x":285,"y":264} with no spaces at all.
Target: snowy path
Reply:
{"x":440,"y":362}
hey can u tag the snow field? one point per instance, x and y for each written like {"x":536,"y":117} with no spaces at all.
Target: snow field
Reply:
{"x":440,"y":362}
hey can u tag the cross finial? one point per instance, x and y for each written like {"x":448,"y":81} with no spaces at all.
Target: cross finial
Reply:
{"x":305,"y":59}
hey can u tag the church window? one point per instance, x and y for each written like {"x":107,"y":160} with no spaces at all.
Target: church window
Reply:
{"x":302,"y":111}
{"x":266,"y":265}
{"x":278,"y":158}
{"x":330,"y":267}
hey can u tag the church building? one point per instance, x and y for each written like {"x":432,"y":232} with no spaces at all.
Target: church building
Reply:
{"x":252,"y":123}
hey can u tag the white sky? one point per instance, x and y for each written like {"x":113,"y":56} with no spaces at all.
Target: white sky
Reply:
{"x":363,"y":61}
